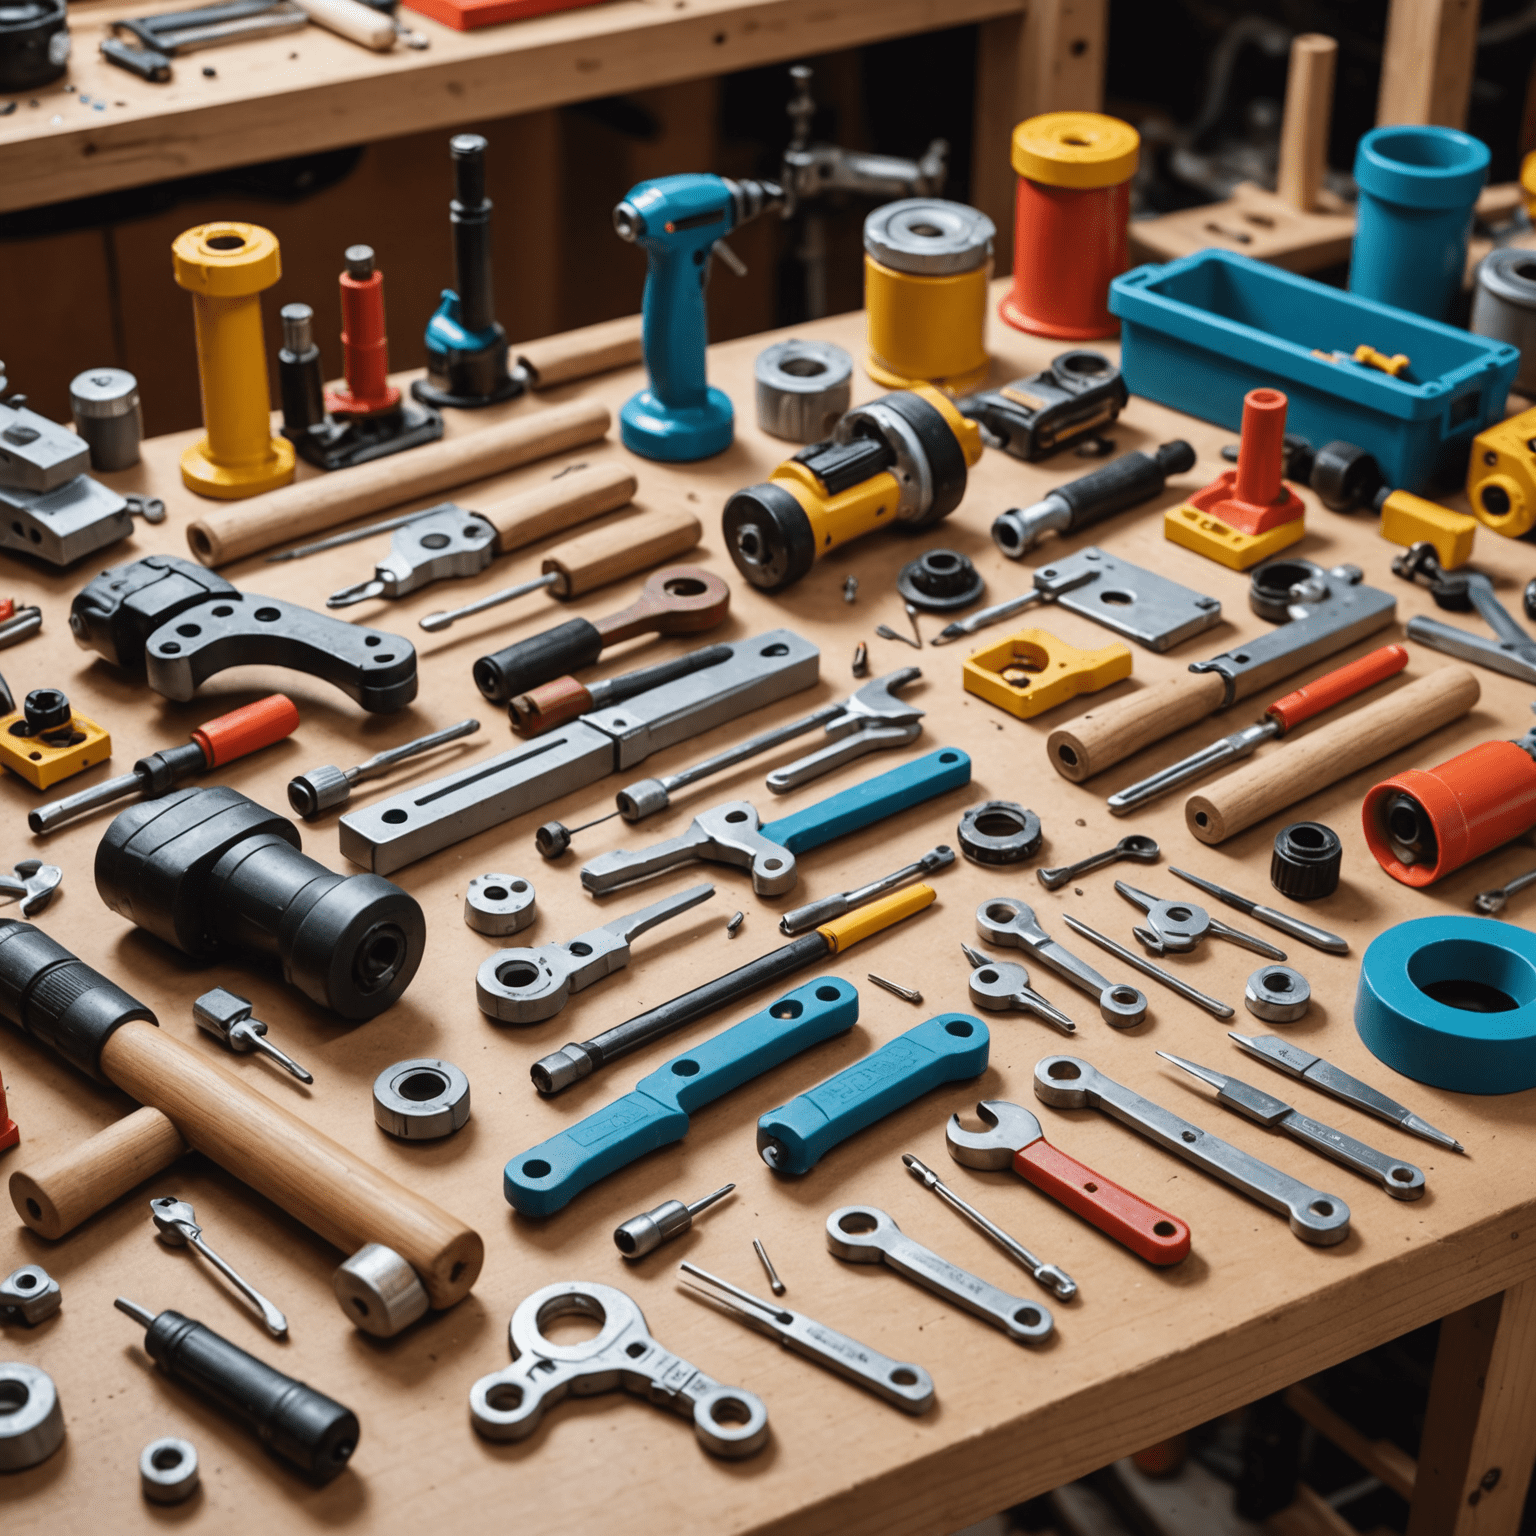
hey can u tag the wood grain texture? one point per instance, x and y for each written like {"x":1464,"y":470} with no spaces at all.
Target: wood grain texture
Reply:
{"x":1308,"y":113}
{"x":622,"y":547}
{"x":1381,"y":1458}
{"x":1115,"y":731}
{"x":1253,"y":222}
{"x":1427,"y":63}
{"x":579,"y":354}
{"x":565,"y":502}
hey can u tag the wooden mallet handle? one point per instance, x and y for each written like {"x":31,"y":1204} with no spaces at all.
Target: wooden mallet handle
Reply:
{"x":581,"y":353}
{"x":575,"y":497}
{"x":621,"y":548}
{"x":1114,"y":731}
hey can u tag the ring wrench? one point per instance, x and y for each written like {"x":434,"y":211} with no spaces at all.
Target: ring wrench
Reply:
{"x":1001,"y":986}
{"x":177,"y":1223}
{"x":1138,"y":847}
{"x":1177,"y":927}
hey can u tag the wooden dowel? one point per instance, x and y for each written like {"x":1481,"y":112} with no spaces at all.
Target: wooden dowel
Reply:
{"x":581,"y":353}
{"x":1308,"y":113}
{"x":1111,"y":733}
{"x":622,"y":547}
{"x":559,"y":504}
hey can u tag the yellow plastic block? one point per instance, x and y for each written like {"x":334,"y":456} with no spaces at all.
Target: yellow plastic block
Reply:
{"x":1209,"y":536}
{"x":1409,"y":519}
{"x":43,"y":760}
{"x":1501,"y":475}
{"x":1033,"y":671}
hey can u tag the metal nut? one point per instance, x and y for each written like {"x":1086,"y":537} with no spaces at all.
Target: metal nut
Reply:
{"x":28,"y":1295}
{"x":379,"y":1291}
{"x":498,"y":904}
{"x":803,"y":388}
{"x":999,"y":832}
{"x":1277,"y":994}
{"x":168,"y":1470}
{"x":422,"y":1099}
{"x":31,"y":1420}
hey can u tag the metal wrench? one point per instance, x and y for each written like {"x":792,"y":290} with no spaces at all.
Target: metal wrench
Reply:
{"x":522,"y":986}
{"x":1142,"y":849}
{"x":33,"y":882}
{"x":1489,"y":903}
{"x":1068,"y":1082}
{"x":1001,"y":986}
{"x":1176,"y":927}
{"x":864,"y":1234}
{"x":177,"y":1223}
{"x":1512,"y":653}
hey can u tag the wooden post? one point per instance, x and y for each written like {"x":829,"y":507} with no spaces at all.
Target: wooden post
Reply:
{"x":1308,"y":112}
{"x":1426,"y":67}
{"x":1480,"y":1427}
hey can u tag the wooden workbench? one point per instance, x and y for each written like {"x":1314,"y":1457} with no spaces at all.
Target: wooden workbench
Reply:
{"x":1144,"y":1352}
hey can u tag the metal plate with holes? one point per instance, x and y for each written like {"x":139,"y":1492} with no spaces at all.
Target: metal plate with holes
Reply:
{"x":1129,"y":599}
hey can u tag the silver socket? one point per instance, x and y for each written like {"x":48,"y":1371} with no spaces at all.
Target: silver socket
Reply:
{"x":168,"y":1470}
{"x":1277,"y":994}
{"x":28,"y":1295}
{"x":379,"y":1291}
{"x":31,"y":1420}
{"x":321,"y":789}
{"x":803,"y":389}
{"x":499,"y":905}
{"x":421,"y":1099}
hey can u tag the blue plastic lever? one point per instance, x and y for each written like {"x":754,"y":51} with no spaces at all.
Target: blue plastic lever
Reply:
{"x":884,"y":795}
{"x":947,"y":1049}
{"x":548,"y":1177}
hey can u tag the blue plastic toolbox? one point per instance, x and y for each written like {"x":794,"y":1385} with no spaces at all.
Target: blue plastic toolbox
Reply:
{"x":1198,"y":333}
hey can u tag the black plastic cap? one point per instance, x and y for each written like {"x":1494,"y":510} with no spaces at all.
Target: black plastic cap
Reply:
{"x":769,"y":536}
{"x":1306,"y":861}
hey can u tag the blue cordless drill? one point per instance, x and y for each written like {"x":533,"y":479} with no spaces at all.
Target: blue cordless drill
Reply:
{"x":677,"y":220}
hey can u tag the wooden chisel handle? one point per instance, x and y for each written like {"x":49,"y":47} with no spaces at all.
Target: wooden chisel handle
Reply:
{"x":1112,"y":732}
{"x":620,"y":548}
{"x":1332,"y":752}
{"x":575,"y":497}
{"x":581,"y":353}
{"x":353,"y":20}
{"x":323,"y":501}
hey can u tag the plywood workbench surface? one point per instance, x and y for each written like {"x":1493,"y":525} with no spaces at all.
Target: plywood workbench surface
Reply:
{"x":1142,"y":1353}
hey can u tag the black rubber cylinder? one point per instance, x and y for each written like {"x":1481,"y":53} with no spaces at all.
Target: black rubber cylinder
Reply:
{"x":470,"y":213}
{"x":539,"y":659}
{"x":768,"y":536}
{"x":213,"y":873}
{"x":1306,"y":861}
{"x":1124,"y":482}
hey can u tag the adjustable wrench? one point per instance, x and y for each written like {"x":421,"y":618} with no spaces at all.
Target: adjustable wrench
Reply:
{"x":733,"y":834}
{"x":870,"y":719}
{"x":1011,"y":1137}
{"x":864,"y":1234}
{"x":522,"y":986}
{"x":1177,"y":927}
{"x":1068,"y":1082}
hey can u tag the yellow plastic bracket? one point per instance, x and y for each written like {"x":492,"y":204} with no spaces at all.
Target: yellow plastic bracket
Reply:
{"x":1409,"y":519}
{"x":1033,"y":671}
{"x":863,"y":922}
{"x":43,"y":760}
{"x":1216,"y":540}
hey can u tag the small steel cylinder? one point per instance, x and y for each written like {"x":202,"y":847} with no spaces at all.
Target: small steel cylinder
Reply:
{"x":1504,"y":307}
{"x":105,"y":405}
{"x":803,"y":389}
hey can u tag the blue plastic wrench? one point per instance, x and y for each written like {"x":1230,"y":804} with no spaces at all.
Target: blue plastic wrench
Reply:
{"x":947,"y":1049}
{"x":732,"y":833}
{"x":548,"y":1177}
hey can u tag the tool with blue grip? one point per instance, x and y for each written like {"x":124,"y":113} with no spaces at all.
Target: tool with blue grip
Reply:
{"x":947,"y":1049}
{"x":732,"y":833}
{"x":677,"y":221}
{"x":548,"y":1177}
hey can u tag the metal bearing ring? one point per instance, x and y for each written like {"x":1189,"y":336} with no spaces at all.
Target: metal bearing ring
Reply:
{"x":168,"y":1470}
{"x":499,"y":904}
{"x":31,"y":1421}
{"x":999,"y":832}
{"x":1277,"y":994}
{"x":803,"y":389}
{"x":421,"y":1099}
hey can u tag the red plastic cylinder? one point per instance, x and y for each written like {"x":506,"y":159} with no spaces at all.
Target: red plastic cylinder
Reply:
{"x":365,"y":348}
{"x":1475,"y":803}
{"x":1261,"y":447}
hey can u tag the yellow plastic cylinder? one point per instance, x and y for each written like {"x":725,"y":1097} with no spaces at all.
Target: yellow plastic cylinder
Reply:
{"x":226,"y":267}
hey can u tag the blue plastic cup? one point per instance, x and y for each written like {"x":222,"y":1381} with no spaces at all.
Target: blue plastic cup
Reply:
{"x":1417,"y":186}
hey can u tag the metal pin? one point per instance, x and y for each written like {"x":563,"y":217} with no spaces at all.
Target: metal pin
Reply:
{"x":1211,"y":1005}
{"x":917,"y":634}
{"x":887,"y":633}
{"x":861,"y":660}
{"x":733,"y":924}
{"x":850,"y":589}
{"x":909,"y":994}
{"x":776,"y":1285}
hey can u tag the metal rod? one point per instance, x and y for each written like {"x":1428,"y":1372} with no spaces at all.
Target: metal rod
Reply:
{"x":776,"y":1285}
{"x":1211,"y":1005}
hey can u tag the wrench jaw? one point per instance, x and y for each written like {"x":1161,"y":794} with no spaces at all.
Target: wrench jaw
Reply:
{"x":1065,"y":1082}
{"x":1006,"y":1130}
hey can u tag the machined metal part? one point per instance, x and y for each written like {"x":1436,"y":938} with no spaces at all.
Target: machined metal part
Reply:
{"x":379,"y":1292}
{"x":168,"y":1470}
{"x":1277,"y":994}
{"x":940,"y":581}
{"x":824,"y":910}
{"x":864,"y":1234}
{"x":1137,"y":962}
{"x":733,"y":924}
{"x":105,"y":405}
{"x":895,"y":988}
{"x":427,"y":818}
{"x":228,"y":1017}
{"x":1177,"y":927}
{"x":1491,"y":903}
{"x":508,"y":1404}
{"x":1511,"y":651}
{"x":860,"y":658}
{"x":28,"y":1295}
{"x":25,"y":621}
{"x":906,"y":1386}
{"x":646,"y":1232}
{"x":1004,"y":921}
{"x":33,"y":883}
{"x":1001,"y":985}
{"x":323,"y":789}
{"x":1068,"y":1082}
{"x":929,"y":236}
{"x":1230,"y":749}
{"x":1401,"y":1180}
{"x":421,"y":1099}
{"x":522,"y":986}
{"x":1481,"y":650}
{"x":803,"y":389}
{"x":1141,"y":849}
{"x":1307,"y":933}
{"x":1135,"y":603}
{"x":499,"y":905}
{"x":176,"y":1222}
{"x":775,"y":1285}
{"x":32,"y":1428}
{"x":444,"y":541}
{"x":999,"y":832}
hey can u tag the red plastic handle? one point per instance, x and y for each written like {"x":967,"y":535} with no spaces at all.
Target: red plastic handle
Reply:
{"x":1336,"y":686}
{"x":247,"y":729}
{"x":1151,"y":1233}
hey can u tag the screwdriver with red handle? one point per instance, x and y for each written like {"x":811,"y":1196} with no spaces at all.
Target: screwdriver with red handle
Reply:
{"x":213,"y":744}
{"x":1311,"y":699}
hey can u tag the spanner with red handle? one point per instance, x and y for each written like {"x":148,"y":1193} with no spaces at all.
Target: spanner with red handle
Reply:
{"x":1011,"y":1138}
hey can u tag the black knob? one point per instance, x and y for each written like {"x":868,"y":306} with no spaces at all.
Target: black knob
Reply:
{"x":46,"y":709}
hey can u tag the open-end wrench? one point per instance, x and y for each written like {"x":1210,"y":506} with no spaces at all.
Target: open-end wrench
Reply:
{"x":522,"y":986}
{"x":1176,"y":927}
{"x":1005,"y":921}
{"x":1513,"y":652}
{"x":1011,"y":1137}
{"x":864,"y":1234}
{"x":1002,"y":986}
{"x":1068,"y":1082}
{"x":1142,"y":849}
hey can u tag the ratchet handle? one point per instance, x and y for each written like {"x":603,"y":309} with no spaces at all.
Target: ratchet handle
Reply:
{"x":1336,"y":686}
{"x":948,"y":1049}
{"x":246,"y":730}
{"x":1137,"y":1224}
{"x":1126,"y":482}
{"x":577,"y":496}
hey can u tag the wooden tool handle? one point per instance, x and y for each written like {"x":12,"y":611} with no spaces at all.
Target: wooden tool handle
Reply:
{"x":680,"y":600}
{"x":54,"y":1196}
{"x":1308,"y":113}
{"x":354,"y":21}
{"x":620,"y":548}
{"x":317,"y":1180}
{"x":322,"y":501}
{"x":1330,"y":753}
{"x":1111,"y":733}
{"x":581,"y":353}
{"x":570,"y":499}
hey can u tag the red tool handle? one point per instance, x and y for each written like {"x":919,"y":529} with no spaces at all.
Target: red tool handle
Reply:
{"x":1151,"y":1233}
{"x":247,"y":729}
{"x":1336,"y":686}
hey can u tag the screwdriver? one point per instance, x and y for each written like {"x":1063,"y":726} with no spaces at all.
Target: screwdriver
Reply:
{"x":553,"y":704}
{"x":301,"y":1425}
{"x":213,"y":744}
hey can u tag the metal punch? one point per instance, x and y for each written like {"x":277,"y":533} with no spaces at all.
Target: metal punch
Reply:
{"x":1177,"y":927}
{"x":1001,"y":986}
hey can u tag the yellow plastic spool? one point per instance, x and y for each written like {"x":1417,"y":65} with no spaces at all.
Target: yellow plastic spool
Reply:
{"x":226,"y":267}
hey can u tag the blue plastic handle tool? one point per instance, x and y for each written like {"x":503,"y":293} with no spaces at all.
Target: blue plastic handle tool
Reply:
{"x":873,"y":800}
{"x":946,"y":1049}
{"x":548,"y":1177}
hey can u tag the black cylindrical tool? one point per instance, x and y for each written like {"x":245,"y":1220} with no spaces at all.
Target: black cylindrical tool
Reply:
{"x":210,"y":871}
{"x":296,"y":1422}
{"x":300,"y":385}
{"x":1306,"y":860}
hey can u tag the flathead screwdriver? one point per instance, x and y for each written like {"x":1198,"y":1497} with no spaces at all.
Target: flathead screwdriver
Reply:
{"x":1307,"y":933}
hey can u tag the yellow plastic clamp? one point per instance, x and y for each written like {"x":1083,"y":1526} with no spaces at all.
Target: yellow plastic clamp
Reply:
{"x":1409,"y":519}
{"x":45,"y":759}
{"x":1209,"y":536}
{"x":1033,"y":671}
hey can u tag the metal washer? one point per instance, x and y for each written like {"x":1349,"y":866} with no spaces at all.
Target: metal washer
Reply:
{"x":803,"y":389}
{"x":168,"y":1470}
{"x":32,"y":1427}
{"x":499,"y":904}
{"x":1277,"y":994}
{"x":421,"y":1099}
{"x":1012,"y":833}
{"x":929,"y":236}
